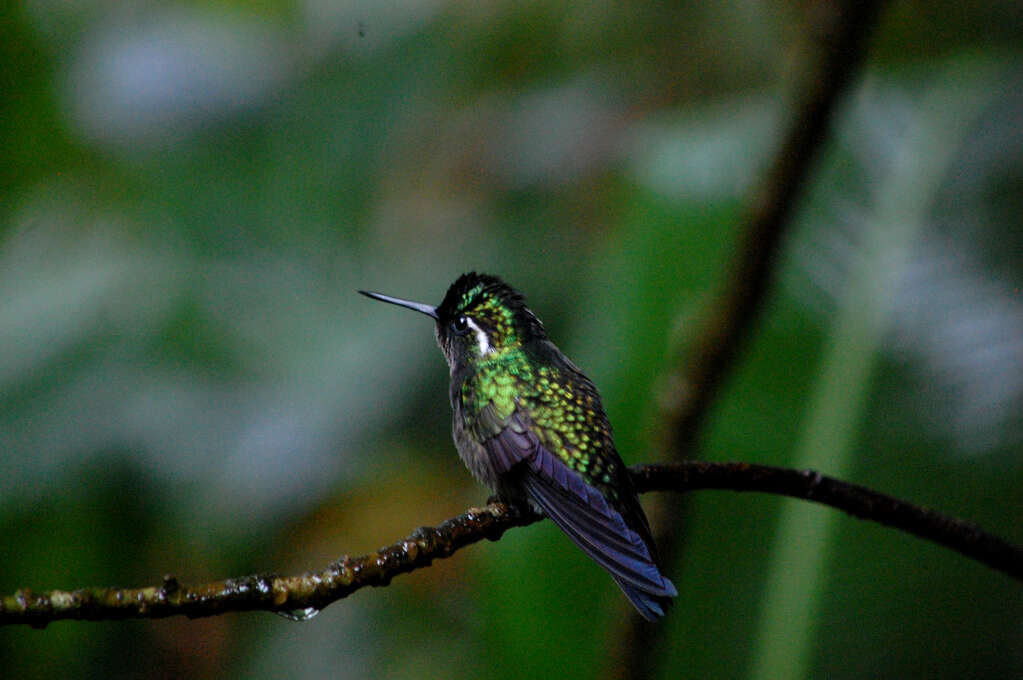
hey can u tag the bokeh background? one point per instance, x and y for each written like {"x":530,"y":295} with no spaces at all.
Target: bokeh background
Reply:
{"x":191,"y":193}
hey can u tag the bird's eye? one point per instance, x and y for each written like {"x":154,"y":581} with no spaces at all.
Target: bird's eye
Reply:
{"x":460,"y":325}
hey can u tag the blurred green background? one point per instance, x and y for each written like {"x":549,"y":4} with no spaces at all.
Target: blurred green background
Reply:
{"x":190,"y":193}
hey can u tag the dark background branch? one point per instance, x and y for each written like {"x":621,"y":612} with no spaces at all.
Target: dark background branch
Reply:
{"x":303,"y":595}
{"x":838,"y":35}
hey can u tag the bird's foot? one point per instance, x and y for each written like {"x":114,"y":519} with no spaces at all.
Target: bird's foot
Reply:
{"x":516,"y":506}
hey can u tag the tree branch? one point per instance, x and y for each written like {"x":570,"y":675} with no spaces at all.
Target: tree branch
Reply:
{"x":308,"y":593}
{"x":838,"y":35}
{"x":838,"y":32}
{"x":859,"y":501}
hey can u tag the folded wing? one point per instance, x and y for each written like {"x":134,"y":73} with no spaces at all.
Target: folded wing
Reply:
{"x":582,"y":512}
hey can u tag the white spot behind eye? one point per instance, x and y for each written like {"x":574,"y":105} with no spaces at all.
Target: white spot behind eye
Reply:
{"x":481,"y":337}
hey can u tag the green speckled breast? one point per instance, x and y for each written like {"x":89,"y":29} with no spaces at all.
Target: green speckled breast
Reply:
{"x":567,"y":415}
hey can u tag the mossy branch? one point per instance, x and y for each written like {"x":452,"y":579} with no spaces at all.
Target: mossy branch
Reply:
{"x":310,"y":592}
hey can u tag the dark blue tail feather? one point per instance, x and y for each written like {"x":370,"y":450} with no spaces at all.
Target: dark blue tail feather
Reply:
{"x":650,"y":607}
{"x":582,"y":512}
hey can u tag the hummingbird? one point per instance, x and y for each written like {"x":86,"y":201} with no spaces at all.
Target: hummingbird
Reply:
{"x":530,"y":425}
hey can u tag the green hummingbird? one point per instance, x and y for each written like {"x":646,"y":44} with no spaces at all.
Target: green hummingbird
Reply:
{"x":530,"y":425}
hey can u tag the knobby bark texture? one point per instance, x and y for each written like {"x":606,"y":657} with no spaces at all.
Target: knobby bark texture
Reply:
{"x":301,"y":596}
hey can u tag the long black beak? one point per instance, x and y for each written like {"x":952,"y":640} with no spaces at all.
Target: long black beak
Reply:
{"x":428,"y":310}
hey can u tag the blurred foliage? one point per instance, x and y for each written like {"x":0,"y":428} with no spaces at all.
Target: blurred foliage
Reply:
{"x":190,"y":195}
